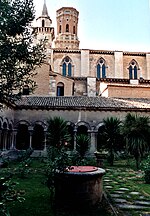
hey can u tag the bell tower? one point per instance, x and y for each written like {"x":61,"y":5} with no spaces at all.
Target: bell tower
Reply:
{"x":67,"y":28}
{"x":43,"y":27}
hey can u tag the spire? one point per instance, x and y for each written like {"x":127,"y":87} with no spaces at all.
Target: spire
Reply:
{"x":44,"y":11}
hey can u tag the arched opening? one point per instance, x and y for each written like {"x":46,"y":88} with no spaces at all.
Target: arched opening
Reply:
{"x":60,"y":89}
{"x":133,"y":68}
{"x":38,"y":137}
{"x":23,"y":137}
{"x":43,"y":23}
{"x":9,"y":137}
{"x":82,"y":144}
{"x":4,"y":137}
{"x":67,"y":27}
{"x":67,"y":66}
{"x":101,"y":68}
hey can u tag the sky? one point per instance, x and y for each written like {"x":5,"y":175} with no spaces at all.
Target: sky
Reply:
{"x":122,"y":25}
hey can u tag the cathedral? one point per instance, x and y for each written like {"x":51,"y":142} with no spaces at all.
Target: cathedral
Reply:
{"x":83,"y":86}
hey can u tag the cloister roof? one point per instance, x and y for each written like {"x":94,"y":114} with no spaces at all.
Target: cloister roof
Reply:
{"x":82,"y":103}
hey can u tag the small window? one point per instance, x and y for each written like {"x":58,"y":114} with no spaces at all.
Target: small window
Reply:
{"x":60,"y":89}
{"x":26,"y":90}
{"x":101,"y":68}
{"x":67,"y":67}
{"x":43,"y":23}
{"x":60,"y":29}
{"x":133,"y":67}
{"x":74,"y":29}
{"x":67,"y":27}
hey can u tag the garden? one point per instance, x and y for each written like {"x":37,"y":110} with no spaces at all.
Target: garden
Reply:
{"x":27,"y":185}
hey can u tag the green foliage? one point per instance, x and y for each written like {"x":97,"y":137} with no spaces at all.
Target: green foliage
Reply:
{"x":146,"y":168}
{"x":136,"y":131}
{"x":82,"y":144}
{"x":18,"y":56}
{"x":112,"y":140}
{"x":57,"y":131}
{"x":8,"y":193}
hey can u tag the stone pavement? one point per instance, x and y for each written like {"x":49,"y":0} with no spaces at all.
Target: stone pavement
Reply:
{"x":128,"y":201}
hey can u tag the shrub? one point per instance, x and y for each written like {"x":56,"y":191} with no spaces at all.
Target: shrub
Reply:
{"x":146,"y":168}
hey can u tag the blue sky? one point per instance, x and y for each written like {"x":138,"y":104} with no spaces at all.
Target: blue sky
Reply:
{"x":107,"y":24}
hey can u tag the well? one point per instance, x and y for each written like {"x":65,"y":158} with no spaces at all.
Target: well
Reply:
{"x":80,"y":186}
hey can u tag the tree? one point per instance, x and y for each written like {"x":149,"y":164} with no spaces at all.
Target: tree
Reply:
{"x":111,"y":136}
{"x":58,"y":135}
{"x":18,"y":56}
{"x":136,"y":130}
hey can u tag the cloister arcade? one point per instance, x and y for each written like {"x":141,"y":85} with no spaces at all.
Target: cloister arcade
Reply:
{"x":23,"y":134}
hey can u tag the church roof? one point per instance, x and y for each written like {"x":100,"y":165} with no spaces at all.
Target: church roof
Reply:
{"x":82,"y":103}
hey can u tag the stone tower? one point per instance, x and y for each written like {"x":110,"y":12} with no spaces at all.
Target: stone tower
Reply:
{"x":43,"y":27}
{"x":67,"y":28}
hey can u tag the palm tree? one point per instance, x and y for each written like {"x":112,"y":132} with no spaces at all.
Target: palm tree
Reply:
{"x":57,"y":133}
{"x":111,"y":136}
{"x":82,"y":141}
{"x":136,"y":131}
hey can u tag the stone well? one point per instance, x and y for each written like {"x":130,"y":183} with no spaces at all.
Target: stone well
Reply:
{"x":80,"y":186}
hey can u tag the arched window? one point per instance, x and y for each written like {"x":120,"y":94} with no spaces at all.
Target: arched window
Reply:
{"x":67,"y":66}
{"x":60,"y":29}
{"x":67,"y":27}
{"x":43,"y":23}
{"x":26,"y":90}
{"x":133,"y":67}
{"x":60,"y":89}
{"x":74,"y":29}
{"x":101,"y":68}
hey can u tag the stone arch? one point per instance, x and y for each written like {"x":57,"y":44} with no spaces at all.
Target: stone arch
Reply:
{"x":83,"y":123}
{"x":67,"y":66}
{"x":133,"y":69}
{"x":101,"y":68}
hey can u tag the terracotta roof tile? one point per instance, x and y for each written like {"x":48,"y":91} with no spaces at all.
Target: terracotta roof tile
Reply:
{"x":84,"y":102}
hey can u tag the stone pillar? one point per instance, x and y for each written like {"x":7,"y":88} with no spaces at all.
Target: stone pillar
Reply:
{"x":118,"y":64}
{"x":147,"y":66}
{"x":52,"y":86}
{"x":0,"y":139}
{"x":93,"y":143}
{"x":13,"y":143}
{"x":84,"y":63}
{"x":75,"y":144}
{"x":31,"y":134}
{"x":5,"y":140}
{"x":45,"y":140}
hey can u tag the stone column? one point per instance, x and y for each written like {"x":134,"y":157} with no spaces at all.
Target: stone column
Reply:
{"x":0,"y":139}
{"x":13,"y":141}
{"x":45,"y":140}
{"x":93,"y":142}
{"x":75,"y":144}
{"x":5,"y":140}
{"x":31,"y":134}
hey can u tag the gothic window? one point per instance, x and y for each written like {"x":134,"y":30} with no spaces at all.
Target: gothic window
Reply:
{"x":67,"y":27}
{"x":43,"y":23}
{"x":133,"y":67}
{"x":67,"y":67}
{"x":60,"y":89}
{"x":101,"y":68}
{"x":74,"y":29}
